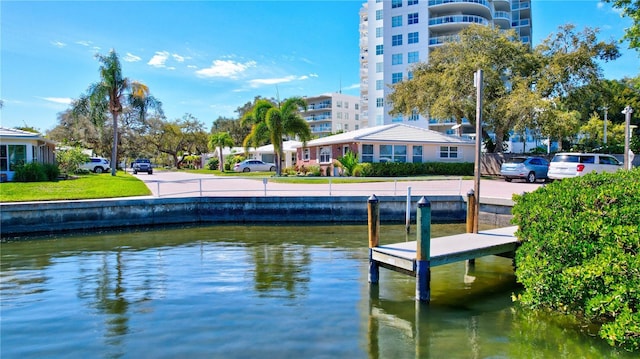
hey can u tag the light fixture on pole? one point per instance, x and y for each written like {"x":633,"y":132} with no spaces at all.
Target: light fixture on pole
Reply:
{"x":627,"y":134}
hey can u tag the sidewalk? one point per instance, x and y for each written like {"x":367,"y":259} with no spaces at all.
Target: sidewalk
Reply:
{"x":182,"y":184}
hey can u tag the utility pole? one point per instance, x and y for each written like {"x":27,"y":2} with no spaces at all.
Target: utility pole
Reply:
{"x":627,"y":135}
{"x":478,"y":82}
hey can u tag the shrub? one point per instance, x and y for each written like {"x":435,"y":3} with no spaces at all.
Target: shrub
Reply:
{"x":390,"y":169}
{"x":30,"y":172}
{"x":581,"y":240}
{"x":213,"y":163}
{"x":70,"y":160}
{"x":51,"y":171}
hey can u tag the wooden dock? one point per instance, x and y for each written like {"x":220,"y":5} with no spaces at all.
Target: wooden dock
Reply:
{"x":401,"y":257}
{"x":416,"y":258}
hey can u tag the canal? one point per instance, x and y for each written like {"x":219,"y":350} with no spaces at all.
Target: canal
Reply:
{"x":262,"y":291}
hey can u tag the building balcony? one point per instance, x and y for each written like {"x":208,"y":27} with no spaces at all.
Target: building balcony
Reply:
{"x":475,"y":7}
{"x":456,"y":22}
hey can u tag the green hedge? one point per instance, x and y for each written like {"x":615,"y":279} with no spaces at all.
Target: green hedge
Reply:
{"x":417,"y":169}
{"x":581,"y":241}
{"x":36,"y":172}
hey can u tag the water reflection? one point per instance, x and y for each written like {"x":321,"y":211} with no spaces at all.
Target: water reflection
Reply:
{"x":260,"y":291}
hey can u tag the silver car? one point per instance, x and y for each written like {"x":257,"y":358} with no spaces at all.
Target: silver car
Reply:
{"x":527,"y":168}
{"x":567,"y":165}
{"x":254,"y":166}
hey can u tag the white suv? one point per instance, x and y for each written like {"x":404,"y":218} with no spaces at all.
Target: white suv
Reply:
{"x":96,"y":164}
{"x":567,"y":164}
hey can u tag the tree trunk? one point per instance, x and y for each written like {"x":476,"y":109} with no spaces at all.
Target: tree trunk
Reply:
{"x":220,"y":159}
{"x":114,"y":149}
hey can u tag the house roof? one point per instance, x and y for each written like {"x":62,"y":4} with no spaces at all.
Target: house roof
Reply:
{"x":397,"y":132}
{"x":14,"y":133}
{"x":287,"y":146}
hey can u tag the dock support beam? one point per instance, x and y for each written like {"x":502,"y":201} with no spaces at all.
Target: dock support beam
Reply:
{"x":423,"y":251}
{"x":373,"y":215}
{"x":471,"y":217}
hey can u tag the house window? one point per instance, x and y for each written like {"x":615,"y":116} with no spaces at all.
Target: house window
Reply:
{"x":417,"y":154}
{"x":325,"y":154}
{"x":12,"y":156}
{"x":400,"y":153}
{"x":448,"y":152}
{"x":412,"y":18}
{"x":367,"y":153}
{"x":306,"y":154}
{"x":396,"y":40}
{"x":345,"y":149}
{"x":379,"y":49}
{"x":396,"y":59}
{"x":396,"y":77}
{"x":413,"y":37}
{"x":396,"y":21}
{"x":386,"y":153}
{"x":413,"y":57}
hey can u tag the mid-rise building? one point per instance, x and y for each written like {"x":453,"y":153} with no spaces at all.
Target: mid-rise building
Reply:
{"x":332,"y":113}
{"x":396,"y":34}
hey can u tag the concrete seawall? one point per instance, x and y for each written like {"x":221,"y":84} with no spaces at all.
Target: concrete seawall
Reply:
{"x":34,"y":219}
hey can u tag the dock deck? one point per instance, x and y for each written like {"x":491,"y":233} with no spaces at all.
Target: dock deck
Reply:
{"x":401,"y":257}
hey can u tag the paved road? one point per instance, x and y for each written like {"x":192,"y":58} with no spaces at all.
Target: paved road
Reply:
{"x":182,"y":184}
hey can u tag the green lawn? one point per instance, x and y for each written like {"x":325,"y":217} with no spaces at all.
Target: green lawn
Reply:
{"x":89,"y":186}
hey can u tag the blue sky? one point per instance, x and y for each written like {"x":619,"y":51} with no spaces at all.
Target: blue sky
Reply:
{"x":207,"y":58}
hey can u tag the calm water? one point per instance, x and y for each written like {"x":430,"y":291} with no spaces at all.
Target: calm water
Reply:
{"x":270,"y":292}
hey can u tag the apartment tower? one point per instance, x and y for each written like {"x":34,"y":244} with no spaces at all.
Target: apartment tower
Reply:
{"x":396,"y":34}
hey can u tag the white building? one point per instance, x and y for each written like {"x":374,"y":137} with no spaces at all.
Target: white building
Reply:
{"x":396,"y":34}
{"x":19,"y":147}
{"x":332,"y":112}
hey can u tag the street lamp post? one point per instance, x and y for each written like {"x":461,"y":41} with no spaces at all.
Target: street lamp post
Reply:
{"x":627,"y":134}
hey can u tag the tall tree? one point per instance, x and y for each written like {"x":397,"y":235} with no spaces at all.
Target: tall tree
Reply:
{"x":179,"y":138}
{"x":236,"y":130}
{"x":630,"y":8}
{"x":272,"y":121}
{"x":111,"y":95}
{"x":220,"y":140}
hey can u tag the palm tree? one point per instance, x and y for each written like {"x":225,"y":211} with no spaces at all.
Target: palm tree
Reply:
{"x":220,"y":140}
{"x":273,"y":121}
{"x":112,"y":94}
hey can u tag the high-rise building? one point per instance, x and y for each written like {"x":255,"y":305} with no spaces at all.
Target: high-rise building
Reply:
{"x":332,"y":112}
{"x":396,"y":34}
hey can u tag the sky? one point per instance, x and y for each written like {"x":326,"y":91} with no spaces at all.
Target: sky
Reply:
{"x":207,"y":58}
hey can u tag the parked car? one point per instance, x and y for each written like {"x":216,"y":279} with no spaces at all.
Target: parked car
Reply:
{"x":567,"y":164}
{"x":254,"y":166}
{"x":97,"y":165}
{"x":527,"y":168}
{"x":142,"y":165}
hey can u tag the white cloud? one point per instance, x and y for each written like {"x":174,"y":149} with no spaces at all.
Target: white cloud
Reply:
{"x":353,"y":86}
{"x":178,"y":57}
{"x":60,"y":100}
{"x":129,"y":57}
{"x":84,"y":43}
{"x":274,"y":81}
{"x":159,"y":59}
{"x":58,"y":44}
{"x":225,"y":68}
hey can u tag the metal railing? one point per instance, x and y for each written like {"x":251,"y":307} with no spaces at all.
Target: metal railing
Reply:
{"x":334,"y":186}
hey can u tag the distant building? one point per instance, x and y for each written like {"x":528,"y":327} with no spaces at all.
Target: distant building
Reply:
{"x":396,"y":34}
{"x":332,"y":112}
{"x":19,"y":147}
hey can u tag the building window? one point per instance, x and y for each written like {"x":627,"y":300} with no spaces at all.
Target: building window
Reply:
{"x":413,"y":37}
{"x":379,"y":67}
{"x":396,"y":77}
{"x":417,"y":154}
{"x":346,"y":126}
{"x":338,"y":103}
{"x":339,"y":115}
{"x":12,"y":156}
{"x":379,"y":31}
{"x":357,"y":126}
{"x":396,"y":59}
{"x":305,"y":154}
{"x":412,"y":2}
{"x":396,"y":3}
{"x":379,"y":102}
{"x":367,"y":153}
{"x":396,"y":40}
{"x":379,"y":50}
{"x":400,"y":153}
{"x":3,"y":158}
{"x":413,"y":57}
{"x":414,"y":115}
{"x":346,"y":104}
{"x":412,"y":18}
{"x":378,"y":14}
{"x":448,"y":152}
{"x":357,"y":106}
{"x":357,"y":118}
{"x":325,"y":154}
{"x":379,"y":84}
{"x":410,"y":75}
{"x":396,"y":21}
{"x":398,"y":118}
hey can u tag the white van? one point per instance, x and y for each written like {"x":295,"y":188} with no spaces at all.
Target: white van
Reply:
{"x":568,"y":164}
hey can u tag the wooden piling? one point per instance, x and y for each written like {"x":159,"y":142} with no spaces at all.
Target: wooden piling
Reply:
{"x":373,"y":215}
{"x":471,"y":206}
{"x":423,"y":251}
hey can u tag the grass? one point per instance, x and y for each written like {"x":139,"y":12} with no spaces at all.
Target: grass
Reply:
{"x":89,"y":186}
